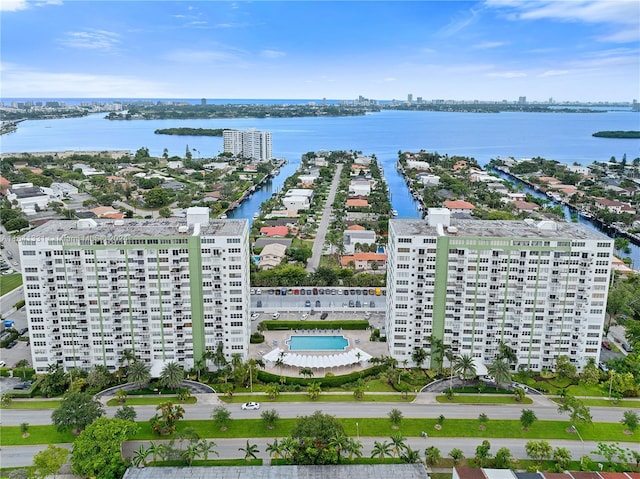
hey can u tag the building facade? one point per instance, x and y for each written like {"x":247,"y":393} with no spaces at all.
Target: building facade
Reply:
{"x":166,"y":289}
{"x":252,"y":144}
{"x":541,"y":288}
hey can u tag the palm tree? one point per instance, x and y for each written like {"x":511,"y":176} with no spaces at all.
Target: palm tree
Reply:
{"x":219,"y":359}
{"x":272,"y":390}
{"x":465,"y":367}
{"x":507,"y":353}
{"x":138,"y":373}
{"x":339,"y":443}
{"x":274,"y":449}
{"x":419,"y":356}
{"x":206,"y":447}
{"x":437,"y":349}
{"x":172,"y":375}
{"x":128,"y":356}
{"x":432,"y":456}
{"x":398,"y":444}
{"x":191,"y":452}
{"x":157,"y":450}
{"x":457,"y":455}
{"x":314,"y":391}
{"x":289,"y":446}
{"x":354,"y":448}
{"x":140,"y":456}
{"x":395,"y":416}
{"x":250,"y":451}
{"x":500,"y":371}
{"x":451,"y":357}
{"x":381,"y":450}
{"x":410,"y":456}
{"x":199,"y":365}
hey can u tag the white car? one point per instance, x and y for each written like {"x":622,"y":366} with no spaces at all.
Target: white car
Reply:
{"x":258,"y":291}
{"x":253,"y":291}
{"x":255,"y":316}
{"x":251,"y":405}
{"x":275,"y":315}
{"x":304,"y":316}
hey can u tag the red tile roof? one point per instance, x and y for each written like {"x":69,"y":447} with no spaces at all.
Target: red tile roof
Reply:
{"x":274,"y":231}
{"x":458,"y":205}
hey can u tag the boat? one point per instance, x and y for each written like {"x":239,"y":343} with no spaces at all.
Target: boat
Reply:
{"x":394,"y":212}
{"x":256,"y":216}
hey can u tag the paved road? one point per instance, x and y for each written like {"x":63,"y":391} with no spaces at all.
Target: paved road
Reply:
{"x":323,"y":226}
{"x":425,"y":406}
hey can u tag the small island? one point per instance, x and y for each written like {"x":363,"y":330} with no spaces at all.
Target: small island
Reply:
{"x":617,"y":134}
{"x":190,"y":131}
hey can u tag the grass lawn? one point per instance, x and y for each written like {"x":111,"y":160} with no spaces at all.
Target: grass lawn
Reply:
{"x":376,"y":427}
{"x":304,"y":397}
{"x":10,"y":282}
{"x":470,"y":399}
{"x":150,"y":401}
{"x":626,"y":403}
{"x":33,"y":404}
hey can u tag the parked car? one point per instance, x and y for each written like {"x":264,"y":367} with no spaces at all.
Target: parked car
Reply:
{"x":259,"y":304}
{"x":626,"y":347}
{"x":302,"y":292}
{"x":324,"y":315}
{"x":351,"y":303}
{"x":23,"y":331}
{"x":603,"y":366}
{"x":258,"y":291}
{"x":255,"y":316}
{"x":372,"y":304}
{"x":309,"y":292}
{"x":304,"y":316}
{"x":12,"y":344}
{"x":275,"y":315}
{"x":317,"y":303}
{"x":358,"y":304}
{"x":307,"y":303}
{"x":2,"y":364}
{"x":23,"y":385}
{"x":251,"y":405}
{"x":315,"y":290}
{"x":606,"y":345}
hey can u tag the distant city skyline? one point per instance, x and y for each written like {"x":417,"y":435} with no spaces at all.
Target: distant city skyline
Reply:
{"x":493,"y":50}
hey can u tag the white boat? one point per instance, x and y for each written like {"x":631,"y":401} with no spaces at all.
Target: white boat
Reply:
{"x":255,"y":216}
{"x":394,"y":212}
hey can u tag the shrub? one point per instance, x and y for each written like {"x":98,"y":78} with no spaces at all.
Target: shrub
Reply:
{"x":324,"y":382}
{"x":256,"y":338}
{"x":346,"y":325}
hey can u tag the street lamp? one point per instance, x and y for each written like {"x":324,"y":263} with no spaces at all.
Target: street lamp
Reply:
{"x":358,"y":431}
{"x":581,"y":440}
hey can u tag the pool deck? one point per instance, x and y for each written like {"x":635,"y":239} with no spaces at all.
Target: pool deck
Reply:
{"x":357,"y":339}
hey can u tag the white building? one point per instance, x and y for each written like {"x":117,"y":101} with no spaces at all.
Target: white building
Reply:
{"x":353,"y":237}
{"x":252,"y":144}
{"x":297,"y":199}
{"x":29,"y":198}
{"x":541,"y":288}
{"x":360,"y":187}
{"x":428,"y":180}
{"x":167,"y":289}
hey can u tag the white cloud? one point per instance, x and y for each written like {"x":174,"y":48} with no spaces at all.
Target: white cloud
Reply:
{"x":19,"y":81}
{"x":553,"y":73}
{"x":15,"y":5}
{"x":272,"y":54}
{"x":202,"y":57}
{"x":507,"y":74}
{"x":91,"y":39}
{"x":487,"y":45}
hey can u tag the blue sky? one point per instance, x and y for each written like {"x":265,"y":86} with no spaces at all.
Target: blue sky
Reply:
{"x":569,"y":50}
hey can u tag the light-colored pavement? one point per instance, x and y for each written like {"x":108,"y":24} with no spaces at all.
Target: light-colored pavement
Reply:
{"x":323,"y":226}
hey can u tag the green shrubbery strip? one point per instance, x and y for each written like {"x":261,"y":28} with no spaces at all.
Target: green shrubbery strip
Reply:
{"x":326,"y":381}
{"x":351,"y":325}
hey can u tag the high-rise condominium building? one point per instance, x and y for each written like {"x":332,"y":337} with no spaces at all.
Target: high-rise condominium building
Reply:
{"x":252,"y":144}
{"x":541,"y":288}
{"x":166,"y":289}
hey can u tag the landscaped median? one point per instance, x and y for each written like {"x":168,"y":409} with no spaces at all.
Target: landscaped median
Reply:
{"x":367,"y":427}
{"x":484,"y":399}
{"x":324,"y":397}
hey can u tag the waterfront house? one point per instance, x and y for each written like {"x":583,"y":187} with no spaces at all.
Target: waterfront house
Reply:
{"x":359,"y":187}
{"x":428,"y":179}
{"x":357,"y":203}
{"x":297,"y":199}
{"x":274,"y":231}
{"x":525,"y":206}
{"x":459,"y":206}
{"x":418,"y":165}
{"x":366,"y":261}
{"x":353,"y":237}
{"x":614,"y":206}
{"x":271,"y":256}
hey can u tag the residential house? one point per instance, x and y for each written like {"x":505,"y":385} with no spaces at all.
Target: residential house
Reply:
{"x":428,"y":179}
{"x":353,"y":237}
{"x":87,"y":170}
{"x":366,"y":261}
{"x":271,"y":256}
{"x":615,"y":206}
{"x":519,"y":196}
{"x":107,"y":212}
{"x":418,"y":165}
{"x":274,"y":231}
{"x":360,"y":187}
{"x":175,"y":165}
{"x":63,"y":190}
{"x":4,"y":185}
{"x":525,"y":206}
{"x":459,"y":206}
{"x":357,"y":203}
{"x":362,"y":160}
{"x":297,"y":199}
{"x":477,"y":175}
{"x":262,"y":242}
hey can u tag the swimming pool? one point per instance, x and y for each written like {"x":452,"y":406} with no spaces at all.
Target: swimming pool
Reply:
{"x":317,"y":343}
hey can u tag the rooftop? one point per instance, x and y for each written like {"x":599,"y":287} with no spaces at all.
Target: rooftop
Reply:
{"x":497,"y":229}
{"x":134,"y":228}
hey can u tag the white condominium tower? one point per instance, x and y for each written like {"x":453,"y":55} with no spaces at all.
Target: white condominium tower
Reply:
{"x":252,"y":144}
{"x":166,"y":289}
{"x":539,"y":287}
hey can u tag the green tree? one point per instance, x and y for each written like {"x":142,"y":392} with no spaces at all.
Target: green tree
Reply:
{"x":191,"y":452}
{"x":76,"y":411}
{"x":270,"y":418}
{"x":631,"y":420}
{"x":564,"y":368}
{"x":507,"y":354}
{"x":395,"y":416}
{"x":157,"y":197}
{"x":96,"y":451}
{"x":527,"y":418}
{"x":126,"y":413}
{"x":157,"y":450}
{"x":55,"y":381}
{"x":314,"y":390}
{"x":339,"y":444}
{"x":164,"y":421}
{"x":139,"y":374}
{"x":274,"y":449}
{"x":538,"y":450}
{"x":48,"y":462}
{"x":398,"y":444}
{"x":501,"y":371}
{"x":221,"y":417}
{"x":419,"y":356}
{"x":482,"y":453}
{"x":272,"y":390}
{"x":432,"y":456}
{"x":140,"y":456}
{"x":250,"y":451}
{"x":465,"y":366}
{"x":172,"y":375}
{"x":578,"y":412}
{"x":457,"y":455}
{"x":483,"y":419}
{"x":562,"y":458}
{"x":381,"y":450}
{"x":503,"y":458}
{"x":410,"y":456}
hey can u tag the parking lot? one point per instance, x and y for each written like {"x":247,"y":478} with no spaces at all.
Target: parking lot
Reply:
{"x":303,"y":300}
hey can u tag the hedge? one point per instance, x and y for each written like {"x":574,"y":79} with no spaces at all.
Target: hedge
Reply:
{"x":328,"y":382}
{"x":24,"y":373}
{"x":355,"y":324}
{"x":5,"y":372}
